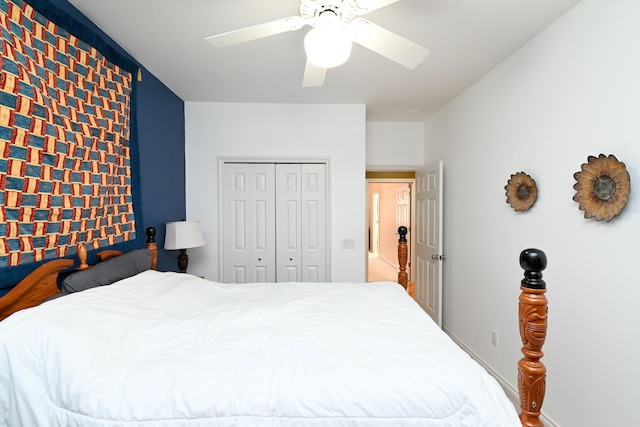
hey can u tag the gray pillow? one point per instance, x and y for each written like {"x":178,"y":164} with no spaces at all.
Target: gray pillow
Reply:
{"x":107,"y":272}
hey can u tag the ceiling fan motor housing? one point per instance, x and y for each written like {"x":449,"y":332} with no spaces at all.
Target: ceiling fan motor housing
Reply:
{"x":344,"y":10}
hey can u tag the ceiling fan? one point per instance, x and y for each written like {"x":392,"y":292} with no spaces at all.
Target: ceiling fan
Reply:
{"x":335,"y":25}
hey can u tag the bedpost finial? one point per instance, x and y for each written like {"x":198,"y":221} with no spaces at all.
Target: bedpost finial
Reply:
{"x":151,"y":234}
{"x":402,"y":232}
{"x":533,"y":262}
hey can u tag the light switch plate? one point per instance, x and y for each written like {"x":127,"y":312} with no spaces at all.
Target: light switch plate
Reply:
{"x":348,"y":243}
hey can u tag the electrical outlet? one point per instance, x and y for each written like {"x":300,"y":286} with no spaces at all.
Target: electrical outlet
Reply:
{"x":348,"y":243}
{"x":494,"y":338}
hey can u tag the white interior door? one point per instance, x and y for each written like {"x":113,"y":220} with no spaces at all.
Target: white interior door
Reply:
{"x":403,"y":205}
{"x":314,"y":230}
{"x":375,"y":226}
{"x":274,"y":222}
{"x":403,"y":216}
{"x":288,"y":222}
{"x":248,"y":218}
{"x":429,"y":256}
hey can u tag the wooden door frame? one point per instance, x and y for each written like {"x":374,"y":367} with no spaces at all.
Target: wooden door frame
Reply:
{"x":411,"y":182}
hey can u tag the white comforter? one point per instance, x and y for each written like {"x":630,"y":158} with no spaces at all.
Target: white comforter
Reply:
{"x":168,"y":349}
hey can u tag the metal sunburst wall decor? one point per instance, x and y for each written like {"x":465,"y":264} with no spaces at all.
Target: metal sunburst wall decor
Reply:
{"x":522,"y":191}
{"x":603,"y":187}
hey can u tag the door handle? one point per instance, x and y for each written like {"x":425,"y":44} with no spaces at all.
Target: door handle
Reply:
{"x":436,"y":256}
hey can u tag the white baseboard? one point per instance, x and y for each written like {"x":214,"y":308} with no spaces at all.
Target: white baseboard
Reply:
{"x":509,"y":390}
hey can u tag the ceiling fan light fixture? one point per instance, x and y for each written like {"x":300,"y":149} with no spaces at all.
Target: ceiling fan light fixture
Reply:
{"x":328,"y":45}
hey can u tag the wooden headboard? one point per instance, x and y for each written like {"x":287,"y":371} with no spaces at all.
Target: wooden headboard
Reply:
{"x":42,"y":283}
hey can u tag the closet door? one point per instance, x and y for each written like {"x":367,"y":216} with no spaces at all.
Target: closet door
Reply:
{"x":301,"y":218}
{"x":248,"y":218}
{"x":288,"y":222}
{"x":314,"y":223}
{"x":274,"y":222}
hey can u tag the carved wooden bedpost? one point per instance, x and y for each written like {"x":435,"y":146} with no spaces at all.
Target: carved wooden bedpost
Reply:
{"x":403,"y":277}
{"x":533,"y":330}
{"x":152,"y":245}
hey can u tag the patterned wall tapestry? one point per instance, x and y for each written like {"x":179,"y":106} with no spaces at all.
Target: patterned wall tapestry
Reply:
{"x":65,"y":155}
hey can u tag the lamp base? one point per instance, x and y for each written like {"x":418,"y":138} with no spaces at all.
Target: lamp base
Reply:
{"x":183,"y":260}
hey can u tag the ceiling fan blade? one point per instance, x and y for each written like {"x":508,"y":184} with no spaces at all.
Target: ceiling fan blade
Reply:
{"x":367,"y":6}
{"x":388,"y":44}
{"x":256,"y":32}
{"x":313,"y":75}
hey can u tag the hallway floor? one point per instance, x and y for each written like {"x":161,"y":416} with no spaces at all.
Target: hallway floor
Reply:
{"x":379,"y":269}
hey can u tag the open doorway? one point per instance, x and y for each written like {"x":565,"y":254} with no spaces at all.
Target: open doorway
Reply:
{"x":390,"y":205}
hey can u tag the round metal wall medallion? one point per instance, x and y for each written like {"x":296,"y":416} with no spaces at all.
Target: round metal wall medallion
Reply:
{"x":602,"y":187}
{"x":522,"y":191}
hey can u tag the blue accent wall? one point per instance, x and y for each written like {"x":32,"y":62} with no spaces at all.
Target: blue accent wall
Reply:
{"x":161,"y":140}
{"x":162,"y":168}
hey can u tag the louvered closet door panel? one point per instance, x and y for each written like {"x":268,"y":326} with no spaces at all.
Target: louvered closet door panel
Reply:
{"x":314,"y":223}
{"x":247,"y":223}
{"x":288,"y":226}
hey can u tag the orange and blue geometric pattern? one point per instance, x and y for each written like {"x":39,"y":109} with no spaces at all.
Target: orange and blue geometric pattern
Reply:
{"x":65,"y":156}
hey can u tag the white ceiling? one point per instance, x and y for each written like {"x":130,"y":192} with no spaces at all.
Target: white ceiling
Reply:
{"x":467,"y":38}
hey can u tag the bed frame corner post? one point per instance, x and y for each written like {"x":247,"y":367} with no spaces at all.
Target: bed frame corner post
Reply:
{"x":403,"y":277}
{"x":152,"y":245}
{"x":81,"y":251}
{"x":533,"y":331}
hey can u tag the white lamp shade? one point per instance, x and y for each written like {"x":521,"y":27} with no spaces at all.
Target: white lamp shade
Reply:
{"x":328,"y":45}
{"x":183,"y":235}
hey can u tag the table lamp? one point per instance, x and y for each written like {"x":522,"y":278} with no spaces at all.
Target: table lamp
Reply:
{"x":183,"y":235}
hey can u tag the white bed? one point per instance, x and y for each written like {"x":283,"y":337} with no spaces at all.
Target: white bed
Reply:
{"x":169,"y":349}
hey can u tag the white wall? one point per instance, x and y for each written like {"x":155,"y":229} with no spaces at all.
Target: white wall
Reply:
{"x":279,"y":132}
{"x":394,"y":145}
{"x":571,"y":92}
